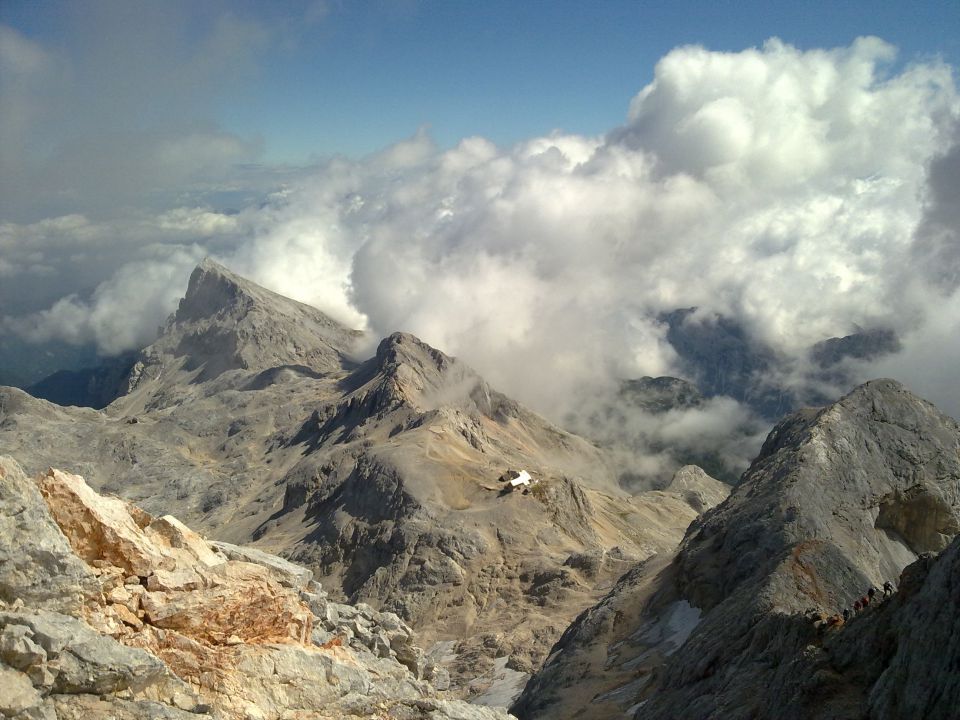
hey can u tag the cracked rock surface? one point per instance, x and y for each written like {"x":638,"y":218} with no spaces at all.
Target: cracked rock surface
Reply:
{"x":112,"y":612}
{"x":840,"y":499}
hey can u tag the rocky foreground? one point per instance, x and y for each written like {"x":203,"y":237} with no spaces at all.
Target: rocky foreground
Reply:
{"x":840,"y":499}
{"x":106,"y":611}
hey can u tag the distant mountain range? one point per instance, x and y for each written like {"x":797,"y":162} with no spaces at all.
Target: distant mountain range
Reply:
{"x":252,"y":418}
{"x":259,"y":421}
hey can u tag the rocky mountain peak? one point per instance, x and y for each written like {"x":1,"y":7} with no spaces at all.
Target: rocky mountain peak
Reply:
{"x":213,"y":289}
{"x":841,"y":499}
{"x":404,"y":348}
{"x":408,"y":371}
{"x":225,"y":322}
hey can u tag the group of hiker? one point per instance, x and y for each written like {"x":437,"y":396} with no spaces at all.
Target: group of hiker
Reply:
{"x":864,"y":602}
{"x":859,"y":605}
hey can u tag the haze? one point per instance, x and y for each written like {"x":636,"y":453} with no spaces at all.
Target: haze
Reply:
{"x":529,"y":189}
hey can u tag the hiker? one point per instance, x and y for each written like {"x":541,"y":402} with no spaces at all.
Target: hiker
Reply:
{"x":857,"y":606}
{"x":846,"y":614}
{"x":871,"y":592}
{"x":887,"y":588}
{"x":864,"y":601}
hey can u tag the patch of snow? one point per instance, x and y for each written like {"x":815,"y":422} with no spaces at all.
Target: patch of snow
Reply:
{"x":683,"y":618}
{"x":667,"y":633}
{"x":506,"y":686}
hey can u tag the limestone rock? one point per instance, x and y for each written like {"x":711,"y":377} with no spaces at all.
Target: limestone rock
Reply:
{"x":286,"y":573}
{"x":37,"y":564}
{"x":839,"y":499}
{"x":235,"y":642}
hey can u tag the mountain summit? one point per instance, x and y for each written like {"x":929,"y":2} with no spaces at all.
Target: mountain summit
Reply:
{"x":839,"y":500}
{"x":226,"y":323}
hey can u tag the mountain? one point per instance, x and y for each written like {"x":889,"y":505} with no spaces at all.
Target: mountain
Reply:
{"x":840,"y":499}
{"x":106,"y":611}
{"x":722,"y":358}
{"x":863,"y":345}
{"x":94,"y":387}
{"x":226,"y":323}
{"x":252,"y":419}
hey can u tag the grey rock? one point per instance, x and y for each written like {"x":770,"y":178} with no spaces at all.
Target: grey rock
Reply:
{"x":17,"y":649}
{"x":839,"y":499}
{"x":17,"y":695}
{"x":287,"y":573}
{"x":37,"y":564}
{"x":82,"y":660}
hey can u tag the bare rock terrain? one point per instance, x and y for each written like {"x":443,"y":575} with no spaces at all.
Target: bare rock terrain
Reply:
{"x":253,"y":419}
{"x":840,"y":499}
{"x":130,"y":616}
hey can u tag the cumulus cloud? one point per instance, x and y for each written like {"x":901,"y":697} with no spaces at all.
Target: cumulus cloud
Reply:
{"x":121,"y":112}
{"x":123,"y":312}
{"x":784,"y":189}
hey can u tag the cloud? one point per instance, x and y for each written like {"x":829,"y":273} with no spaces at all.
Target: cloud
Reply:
{"x":123,"y":312}
{"x":122,"y":111}
{"x":799,"y":193}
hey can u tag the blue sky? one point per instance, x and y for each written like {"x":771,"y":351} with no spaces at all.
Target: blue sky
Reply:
{"x":351,"y":77}
{"x":802,"y":188}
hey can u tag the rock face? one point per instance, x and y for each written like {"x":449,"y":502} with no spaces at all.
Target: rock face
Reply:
{"x":250,"y":419}
{"x":225,"y":323}
{"x":839,"y":499}
{"x":660,"y":394}
{"x":94,"y":387}
{"x":142,"y":618}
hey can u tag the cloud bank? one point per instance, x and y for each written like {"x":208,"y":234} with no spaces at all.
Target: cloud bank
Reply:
{"x":801,"y":194}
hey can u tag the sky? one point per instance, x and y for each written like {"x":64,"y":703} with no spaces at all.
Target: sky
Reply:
{"x":528,"y":186}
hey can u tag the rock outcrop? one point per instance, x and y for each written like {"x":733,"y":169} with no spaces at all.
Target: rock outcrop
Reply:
{"x":840,"y":499}
{"x":112,"y":612}
{"x":250,"y":421}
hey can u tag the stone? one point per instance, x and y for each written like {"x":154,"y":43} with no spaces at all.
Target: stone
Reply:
{"x":17,"y":649}
{"x":17,"y":694}
{"x":285,"y":572}
{"x":37,"y":564}
{"x":100,"y":528}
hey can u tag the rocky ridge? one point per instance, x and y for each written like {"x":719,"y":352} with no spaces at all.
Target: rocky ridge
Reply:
{"x":105,"y":610}
{"x":251,"y":420}
{"x":839,"y":499}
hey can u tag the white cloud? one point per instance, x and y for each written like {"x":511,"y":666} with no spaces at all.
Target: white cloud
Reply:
{"x":778,"y":187}
{"x":123,"y":312}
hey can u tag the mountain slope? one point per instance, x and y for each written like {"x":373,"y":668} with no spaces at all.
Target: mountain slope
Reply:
{"x":839,"y":499}
{"x":250,"y":420}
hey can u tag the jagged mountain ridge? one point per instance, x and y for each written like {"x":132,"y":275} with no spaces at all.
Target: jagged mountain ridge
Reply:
{"x":107,"y":611}
{"x":225,"y":323}
{"x":839,"y":499}
{"x":381,"y":475}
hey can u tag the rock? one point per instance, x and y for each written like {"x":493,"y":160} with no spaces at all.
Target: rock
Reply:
{"x":100,"y":528}
{"x":16,"y":693}
{"x":37,"y":564}
{"x":17,"y":649}
{"x":285,"y":572}
{"x":233,"y":643}
{"x":839,"y":499}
